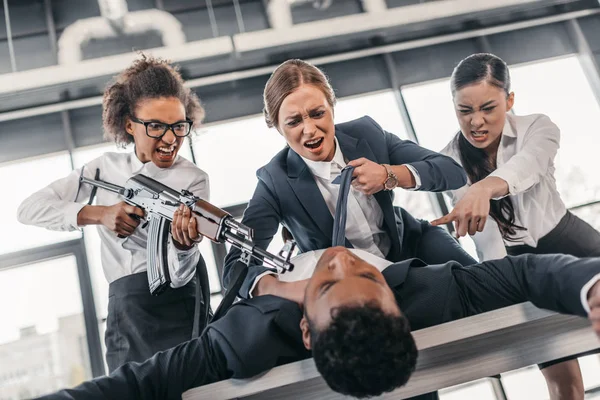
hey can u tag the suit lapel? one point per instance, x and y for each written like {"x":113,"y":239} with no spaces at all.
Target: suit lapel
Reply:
{"x":353,"y":149}
{"x":305,"y":188}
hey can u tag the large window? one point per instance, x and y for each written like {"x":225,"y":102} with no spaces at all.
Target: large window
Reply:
{"x":43,"y":344}
{"x":20,"y":180}
{"x":571,"y":104}
{"x":231,"y":152}
{"x":432,"y":113}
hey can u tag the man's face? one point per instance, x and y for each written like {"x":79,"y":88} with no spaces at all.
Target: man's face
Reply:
{"x":343,"y":279}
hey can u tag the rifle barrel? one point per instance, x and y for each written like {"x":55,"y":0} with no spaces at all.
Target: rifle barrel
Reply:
{"x":258,"y":253}
{"x":103,"y":185}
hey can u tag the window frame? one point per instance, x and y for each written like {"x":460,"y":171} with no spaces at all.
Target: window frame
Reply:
{"x":77,"y":249}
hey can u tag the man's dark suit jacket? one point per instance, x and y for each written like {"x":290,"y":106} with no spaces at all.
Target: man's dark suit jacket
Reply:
{"x":263,"y":332}
{"x":287,"y":193}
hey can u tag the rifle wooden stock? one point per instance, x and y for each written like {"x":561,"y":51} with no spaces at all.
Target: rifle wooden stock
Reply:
{"x":209,"y":219}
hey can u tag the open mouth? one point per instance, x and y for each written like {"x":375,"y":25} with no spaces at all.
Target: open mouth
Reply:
{"x":165,"y":153}
{"x":314,"y":144}
{"x":479,"y":136}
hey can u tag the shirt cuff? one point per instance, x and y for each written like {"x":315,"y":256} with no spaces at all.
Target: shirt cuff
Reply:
{"x":584,"y":292}
{"x":182,"y":264}
{"x":258,"y":278}
{"x":180,"y":252}
{"x":511,"y":181}
{"x":416,"y":175}
{"x":71,"y":212}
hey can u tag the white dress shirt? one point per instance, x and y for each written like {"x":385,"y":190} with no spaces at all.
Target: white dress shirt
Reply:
{"x":305,"y":264}
{"x":364,"y":221}
{"x":525,"y":160}
{"x":56,"y":207}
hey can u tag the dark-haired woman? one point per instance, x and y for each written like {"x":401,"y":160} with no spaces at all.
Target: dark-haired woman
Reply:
{"x":148,"y":105}
{"x":509,"y":161}
{"x":298,"y":189}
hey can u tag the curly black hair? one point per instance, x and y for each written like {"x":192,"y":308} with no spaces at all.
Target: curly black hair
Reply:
{"x":146,"y":78}
{"x":364,"y":351}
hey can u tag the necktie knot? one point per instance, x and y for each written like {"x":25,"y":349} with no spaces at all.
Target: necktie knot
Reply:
{"x":334,"y":171}
{"x":339,"y":174}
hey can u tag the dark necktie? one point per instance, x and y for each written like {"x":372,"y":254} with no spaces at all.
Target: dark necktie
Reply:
{"x":339,"y":221}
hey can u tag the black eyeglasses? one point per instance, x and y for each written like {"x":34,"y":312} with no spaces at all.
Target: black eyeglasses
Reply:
{"x":157,"y":129}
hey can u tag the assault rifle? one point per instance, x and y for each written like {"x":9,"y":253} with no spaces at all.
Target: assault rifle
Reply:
{"x":160,"y":202}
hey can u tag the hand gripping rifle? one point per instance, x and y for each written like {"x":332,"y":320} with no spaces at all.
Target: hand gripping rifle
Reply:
{"x":160,"y":202}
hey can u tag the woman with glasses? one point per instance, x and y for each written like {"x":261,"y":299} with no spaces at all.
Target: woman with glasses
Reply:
{"x":149,"y":106}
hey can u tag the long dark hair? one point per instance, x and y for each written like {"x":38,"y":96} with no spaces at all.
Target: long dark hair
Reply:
{"x":476,"y":162}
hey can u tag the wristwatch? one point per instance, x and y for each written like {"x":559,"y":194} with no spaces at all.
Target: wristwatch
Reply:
{"x":391,"y":182}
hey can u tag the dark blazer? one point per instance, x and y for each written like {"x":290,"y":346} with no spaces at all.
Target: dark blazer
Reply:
{"x":287,"y":194}
{"x":263,"y":332}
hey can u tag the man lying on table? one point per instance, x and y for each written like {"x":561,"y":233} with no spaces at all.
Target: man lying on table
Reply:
{"x":355,"y":323}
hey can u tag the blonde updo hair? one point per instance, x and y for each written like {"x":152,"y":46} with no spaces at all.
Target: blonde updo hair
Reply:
{"x":285,"y":79}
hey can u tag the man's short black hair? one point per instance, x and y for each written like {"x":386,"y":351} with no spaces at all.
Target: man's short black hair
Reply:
{"x":364,"y":351}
